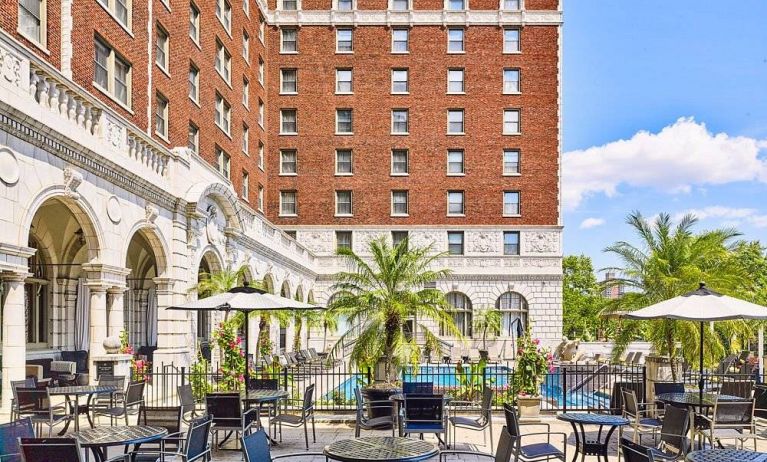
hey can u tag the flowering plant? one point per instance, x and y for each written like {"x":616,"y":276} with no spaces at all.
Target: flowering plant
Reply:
{"x":140,"y":369}
{"x":125,"y":346}
{"x":533,"y":363}
{"x":232,"y":366}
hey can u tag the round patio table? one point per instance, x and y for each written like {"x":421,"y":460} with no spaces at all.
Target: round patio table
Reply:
{"x":77,"y":392}
{"x":691,"y":400}
{"x":726,"y":455}
{"x":587,"y":447}
{"x":100,"y":438}
{"x":380,"y":449}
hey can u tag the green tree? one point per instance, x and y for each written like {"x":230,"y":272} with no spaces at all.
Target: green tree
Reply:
{"x":383,"y":292}
{"x":487,"y":322}
{"x":582,"y":299}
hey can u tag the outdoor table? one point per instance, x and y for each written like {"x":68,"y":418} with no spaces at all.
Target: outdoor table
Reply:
{"x":261,"y":397}
{"x":100,"y":438}
{"x":377,"y":448}
{"x":399,"y":401}
{"x":597,"y":447}
{"x":726,"y":455}
{"x":692,"y":401}
{"x":77,"y":391}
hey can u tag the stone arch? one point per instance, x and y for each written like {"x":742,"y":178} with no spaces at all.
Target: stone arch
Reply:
{"x":223,"y":195}
{"x":285,"y":289}
{"x":156,"y":242}
{"x":513,"y":306}
{"x":299,"y":293}
{"x":269,"y":283}
{"x":210,"y":256}
{"x":310,"y":297}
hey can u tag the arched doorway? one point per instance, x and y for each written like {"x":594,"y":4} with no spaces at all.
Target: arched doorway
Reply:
{"x":209,"y":263}
{"x":146,"y":260}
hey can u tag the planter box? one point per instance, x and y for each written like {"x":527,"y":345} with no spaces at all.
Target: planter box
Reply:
{"x":529,"y":407}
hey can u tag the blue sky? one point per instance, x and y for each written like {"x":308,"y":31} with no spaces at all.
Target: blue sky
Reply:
{"x":692,"y":75}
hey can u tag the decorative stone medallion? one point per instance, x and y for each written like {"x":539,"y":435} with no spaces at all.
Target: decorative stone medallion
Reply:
{"x":114,"y":209}
{"x":9,"y":167}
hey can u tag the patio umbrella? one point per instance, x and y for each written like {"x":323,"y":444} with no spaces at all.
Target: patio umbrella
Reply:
{"x":245,"y":299}
{"x":702,"y":305}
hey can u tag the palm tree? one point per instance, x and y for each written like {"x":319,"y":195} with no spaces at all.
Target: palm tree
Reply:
{"x":488,"y":322}
{"x":382,"y":293}
{"x":670,"y":260}
{"x":221,"y":281}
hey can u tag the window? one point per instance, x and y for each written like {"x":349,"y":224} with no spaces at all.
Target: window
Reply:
{"x":455,"y":242}
{"x":261,"y":28}
{"x":288,"y":205}
{"x":400,"y":5}
{"x":288,"y":81}
{"x":344,"y":40}
{"x":120,"y":10}
{"x":510,"y":121}
{"x":455,"y":203}
{"x":245,"y":140}
{"x":344,"y":121}
{"x":456,"y":5}
{"x":461,"y":312}
{"x":223,"y":113}
{"x":245,"y":92}
{"x":455,"y":81}
{"x":194,"y":83}
{"x":224,"y":14}
{"x":399,"y":121}
{"x":514,"y":309}
{"x":343,"y":203}
{"x":161,"y":48}
{"x":193,"y":141}
{"x":288,"y":121}
{"x":398,"y":236}
{"x":455,"y":121}
{"x":455,"y":162}
{"x":224,"y":162}
{"x":511,"y":80}
{"x":161,"y":115}
{"x":112,"y":73}
{"x":511,"y":242}
{"x":455,"y":40}
{"x":399,"y":40}
{"x":261,"y":113}
{"x":32,"y":20}
{"x":399,"y":81}
{"x":344,"y":162}
{"x":510,"y":162}
{"x":288,"y":162}
{"x":344,"y":81}
{"x":510,"y":203}
{"x":345,"y":5}
{"x":399,"y":162}
{"x":510,"y":4}
{"x":289,"y":42}
{"x":246,"y":7}
{"x":194,"y":22}
{"x":290,"y":5}
{"x":245,"y":46}
{"x":399,"y":203}
{"x":511,"y":41}
{"x":245,"y":185}
{"x":343,"y":240}
{"x":261,"y":71}
{"x":260,"y":203}
{"x":223,"y":61}
{"x":261,"y":155}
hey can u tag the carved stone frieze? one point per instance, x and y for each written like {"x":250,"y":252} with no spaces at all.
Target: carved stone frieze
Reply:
{"x":484,"y":242}
{"x":540,"y":242}
{"x":317,"y":241}
{"x":72,"y":180}
{"x":10,"y":67}
{"x":114,"y":133}
{"x":150,"y":213}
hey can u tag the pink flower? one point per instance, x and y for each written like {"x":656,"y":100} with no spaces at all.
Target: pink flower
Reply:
{"x":239,"y":340}
{"x":536,"y":341}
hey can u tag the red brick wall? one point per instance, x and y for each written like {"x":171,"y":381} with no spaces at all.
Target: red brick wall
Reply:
{"x":427,"y":142}
{"x":9,"y":22}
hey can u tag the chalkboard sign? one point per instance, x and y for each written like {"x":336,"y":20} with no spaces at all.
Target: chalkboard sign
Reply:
{"x":105,"y":367}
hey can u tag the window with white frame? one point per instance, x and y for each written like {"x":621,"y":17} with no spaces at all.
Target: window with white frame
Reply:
{"x":461,"y":312}
{"x":288,"y":121}
{"x":245,"y":92}
{"x":223,"y":113}
{"x":193,"y":139}
{"x":111,"y":72}
{"x":261,"y":70}
{"x":399,"y":203}
{"x":344,"y":40}
{"x":260,"y":113}
{"x":344,"y":121}
{"x":288,"y":81}
{"x":456,"y":5}
{"x":224,"y":14}
{"x":510,"y":5}
{"x":344,"y":81}
{"x":514,"y":311}
{"x":399,"y":121}
{"x":223,"y":61}
{"x":261,"y":155}
{"x":455,"y":122}
{"x":510,"y":81}
{"x":343,"y":240}
{"x":261,"y":28}
{"x":245,"y":140}
{"x":511,"y":203}
{"x":288,"y":204}
{"x":289,"y":40}
{"x":455,"y":162}
{"x":288,"y":162}
{"x":33,"y":20}
{"x":455,"y":83}
{"x":511,"y":121}
{"x":511,"y":40}
{"x":343,"y":203}
{"x":399,"y":162}
{"x":246,"y":46}
{"x":455,"y":203}
{"x":398,"y":236}
{"x":246,"y":7}
{"x":345,"y":5}
{"x":260,"y":203}
{"x":161,"y":115}
{"x":400,"y":5}
{"x":511,"y":242}
{"x":120,"y":10}
{"x":224,"y":162}
{"x":400,"y":39}
{"x":455,"y":40}
{"x":510,"y":162}
{"x":344,"y":164}
{"x":245,"y":185}
{"x":289,"y":5}
{"x":399,"y":81}
{"x":194,"y":22}
{"x":194,"y":83}
{"x":455,"y":242}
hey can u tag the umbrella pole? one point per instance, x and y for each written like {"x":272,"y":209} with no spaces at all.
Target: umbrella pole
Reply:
{"x":247,"y":349}
{"x":701,"y":381}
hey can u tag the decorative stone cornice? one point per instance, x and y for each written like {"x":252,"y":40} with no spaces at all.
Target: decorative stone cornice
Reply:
{"x":442,"y":18}
{"x":483,"y":277}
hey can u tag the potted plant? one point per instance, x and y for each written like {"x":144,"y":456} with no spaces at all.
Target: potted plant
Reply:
{"x":533,"y":364}
{"x":487,"y":322}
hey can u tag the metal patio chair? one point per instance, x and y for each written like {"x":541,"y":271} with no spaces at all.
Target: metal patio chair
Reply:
{"x":363,"y":419}
{"x":298,"y":420}
{"x":477,"y":423}
{"x":638,"y":415}
{"x":532,"y":452}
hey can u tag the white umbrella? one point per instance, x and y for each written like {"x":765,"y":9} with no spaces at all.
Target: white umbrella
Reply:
{"x":702,"y":305}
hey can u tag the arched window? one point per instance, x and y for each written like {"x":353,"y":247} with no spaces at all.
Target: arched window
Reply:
{"x":460,"y":309}
{"x":513,"y":306}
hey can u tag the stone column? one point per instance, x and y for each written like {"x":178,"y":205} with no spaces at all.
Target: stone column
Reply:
{"x":116,"y":317}
{"x":14,"y":334}
{"x":98,"y":323}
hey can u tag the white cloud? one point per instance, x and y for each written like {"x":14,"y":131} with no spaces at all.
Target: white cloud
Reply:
{"x":589,"y":223}
{"x":729,"y":216}
{"x":681,"y":156}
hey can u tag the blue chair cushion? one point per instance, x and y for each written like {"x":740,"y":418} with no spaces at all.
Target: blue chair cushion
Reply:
{"x":650,"y":422}
{"x":414,"y":427}
{"x":534,"y":451}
